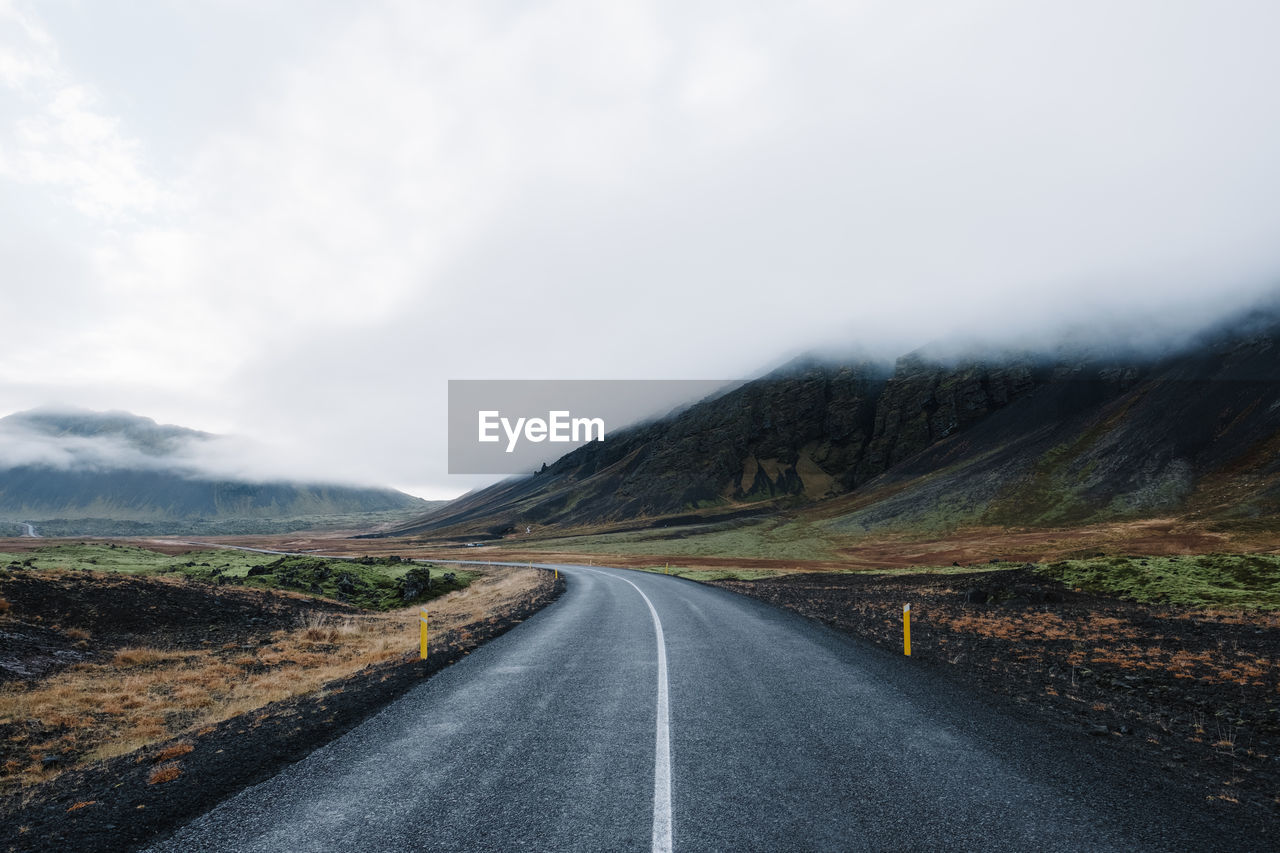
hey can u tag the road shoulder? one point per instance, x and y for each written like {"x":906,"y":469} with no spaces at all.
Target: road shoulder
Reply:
{"x":127,"y":802}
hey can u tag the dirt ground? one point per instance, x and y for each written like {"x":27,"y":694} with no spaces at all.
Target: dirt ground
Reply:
{"x":1153,"y":536}
{"x":1158,"y":536}
{"x":88,"y":763}
{"x":59,"y":619}
{"x":1196,"y":694}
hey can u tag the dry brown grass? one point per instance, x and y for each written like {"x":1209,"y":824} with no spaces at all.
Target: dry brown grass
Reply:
{"x":326,"y":628}
{"x":1111,"y":641}
{"x":142,"y":656}
{"x":176,"y":751}
{"x":147,"y":695}
{"x":165,"y":773}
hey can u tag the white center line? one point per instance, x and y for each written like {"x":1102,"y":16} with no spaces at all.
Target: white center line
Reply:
{"x":662,"y":741}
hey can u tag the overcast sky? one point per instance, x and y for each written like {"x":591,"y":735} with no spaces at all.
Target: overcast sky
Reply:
{"x":297,"y":221}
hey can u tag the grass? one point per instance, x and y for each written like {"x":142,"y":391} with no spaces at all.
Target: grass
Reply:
{"x":142,"y":695}
{"x":1206,"y":581}
{"x":771,"y":539}
{"x":949,"y":570}
{"x":765,"y":574}
{"x":165,"y":773}
{"x":129,"y":559}
{"x":717,"y":574}
{"x":1096,"y":641}
{"x":1050,"y":494}
{"x":935,"y":505}
{"x":155,"y":524}
{"x":373,"y":583}
{"x":1230,"y":581}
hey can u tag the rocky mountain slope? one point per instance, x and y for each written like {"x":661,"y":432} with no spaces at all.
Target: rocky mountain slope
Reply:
{"x":1040,"y":439}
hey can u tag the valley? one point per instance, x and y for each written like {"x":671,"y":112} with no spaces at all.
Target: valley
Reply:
{"x":1088,"y":542}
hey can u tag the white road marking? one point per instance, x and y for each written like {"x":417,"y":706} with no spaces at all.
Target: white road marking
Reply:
{"x":662,"y":832}
{"x":662,"y":742}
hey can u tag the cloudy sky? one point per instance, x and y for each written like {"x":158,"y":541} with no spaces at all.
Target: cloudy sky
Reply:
{"x":296,"y":221}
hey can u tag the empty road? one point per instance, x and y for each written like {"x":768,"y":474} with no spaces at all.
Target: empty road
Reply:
{"x":28,"y":530}
{"x":643,"y":712}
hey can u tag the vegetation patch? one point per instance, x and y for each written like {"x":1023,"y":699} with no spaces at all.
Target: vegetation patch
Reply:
{"x":754,"y":574}
{"x":371,"y":583}
{"x":717,"y":574}
{"x":168,"y":656}
{"x":126,"y":801}
{"x":163,"y":525}
{"x":771,"y":539}
{"x":976,"y":568}
{"x":1234,"y":581}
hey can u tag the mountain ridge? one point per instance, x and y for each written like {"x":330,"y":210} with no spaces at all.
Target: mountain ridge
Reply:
{"x":69,"y":464}
{"x":1074,"y":436}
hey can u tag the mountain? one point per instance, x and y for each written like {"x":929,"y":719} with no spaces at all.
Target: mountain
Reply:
{"x":1068,"y":437}
{"x":128,"y":473}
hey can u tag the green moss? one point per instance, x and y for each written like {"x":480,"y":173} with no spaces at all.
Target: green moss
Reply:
{"x":950,"y":570}
{"x":158,"y":524}
{"x":373,"y":585}
{"x":718,"y":574}
{"x":128,"y":559}
{"x":1050,"y":494}
{"x":765,"y":574}
{"x":1231,"y":581}
{"x":771,"y":539}
{"x":1237,"y":581}
{"x":1044,"y":497}
{"x":369,"y":582}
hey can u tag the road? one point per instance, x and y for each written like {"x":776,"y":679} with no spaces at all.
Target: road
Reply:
{"x":644,"y":712}
{"x":29,"y":530}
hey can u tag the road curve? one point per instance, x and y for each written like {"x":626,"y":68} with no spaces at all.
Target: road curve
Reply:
{"x":29,"y":531}
{"x":780,"y":735}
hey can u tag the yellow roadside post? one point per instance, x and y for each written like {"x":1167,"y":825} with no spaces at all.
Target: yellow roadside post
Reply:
{"x":422,"y":633}
{"x":906,"y":630}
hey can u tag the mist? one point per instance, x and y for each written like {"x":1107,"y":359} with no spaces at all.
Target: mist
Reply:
{"x":52,"y":437}
{"x":306,"y":247}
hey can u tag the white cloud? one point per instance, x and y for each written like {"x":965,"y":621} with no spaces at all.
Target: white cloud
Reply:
{"x":32,"y":442}
{"x":26,"y":53}
{"x":58,"y":136}
{"x":368,"y":200}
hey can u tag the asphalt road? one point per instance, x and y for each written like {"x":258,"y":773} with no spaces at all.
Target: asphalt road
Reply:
{"x":643,"y":712}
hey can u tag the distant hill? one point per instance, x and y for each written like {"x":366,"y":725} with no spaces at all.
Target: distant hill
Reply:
{"x":102,"y":472}
{"x":930,"y":443}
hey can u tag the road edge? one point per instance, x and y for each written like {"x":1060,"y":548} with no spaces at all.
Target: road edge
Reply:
{"x":110,"y":807}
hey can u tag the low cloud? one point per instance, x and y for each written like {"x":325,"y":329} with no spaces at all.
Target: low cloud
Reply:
{"x":50,"y":438}
{"x":305,"y":245}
